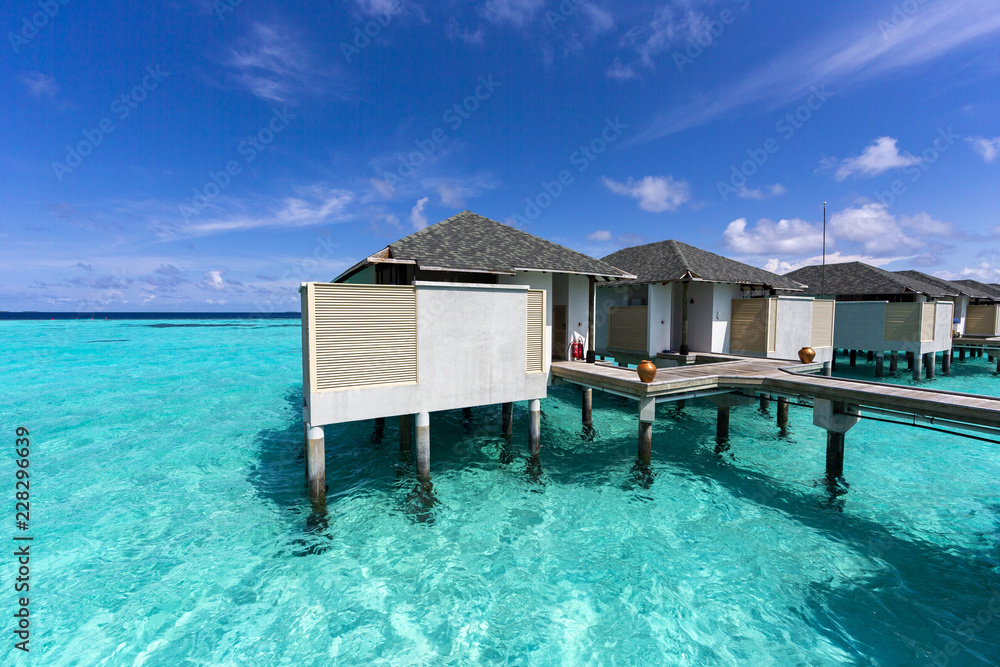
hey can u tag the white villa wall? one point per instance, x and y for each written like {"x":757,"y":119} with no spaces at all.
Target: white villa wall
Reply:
{"x":722,"y":307}
{"x":660,"y":303}
{"x":701,"y":317}
{"x":577,"y":309}
{"x":471,"y":350}
{"x":860,"y":325}
{"x":794,"y":329}
{"x":536,"y":280}
{"x":961,"y":308}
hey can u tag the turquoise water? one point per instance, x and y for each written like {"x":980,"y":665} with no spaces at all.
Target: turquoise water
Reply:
{"x":171,"y":524}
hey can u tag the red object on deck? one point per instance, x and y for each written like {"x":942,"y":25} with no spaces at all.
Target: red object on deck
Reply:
{"x":576,"y":350}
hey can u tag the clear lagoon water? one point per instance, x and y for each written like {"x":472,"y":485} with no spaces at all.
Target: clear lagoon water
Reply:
{"x":171,"y":523}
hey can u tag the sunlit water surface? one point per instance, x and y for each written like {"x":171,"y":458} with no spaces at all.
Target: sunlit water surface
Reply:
{"x":171,"y":524}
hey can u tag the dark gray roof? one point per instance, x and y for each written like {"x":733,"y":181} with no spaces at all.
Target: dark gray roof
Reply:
{"x":668,"y":261}
{"x":989,"y":289}
{"x":470,"y":242}
{"x":951,"y":286}
{"x":859,"y":279}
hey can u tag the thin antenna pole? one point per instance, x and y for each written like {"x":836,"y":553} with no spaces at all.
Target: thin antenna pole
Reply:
{"x":823,"y":270}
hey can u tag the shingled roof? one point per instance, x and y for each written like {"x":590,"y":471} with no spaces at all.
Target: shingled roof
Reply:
{"x":859,"y":279}
{"x":470,"y":242}
{"x":950,"y":285}
{"x":671,"y":261}
{"x":989,"y":289}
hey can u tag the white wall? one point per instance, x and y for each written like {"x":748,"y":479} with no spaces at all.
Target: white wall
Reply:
{"x":701,"y":317}
{"x":961,"y":308}
{"x":860,"y":325}
{"x":470,"y":351}
{"x":660,"y":308}
{"x":722,"y":308}
{"x":794,"y":329}
{"x":536,"y":280}
{"x":577,"y":309}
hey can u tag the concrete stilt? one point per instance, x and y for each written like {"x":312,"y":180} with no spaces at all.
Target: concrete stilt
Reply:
{"x":782,"y":411}
{"x":588,"y":407}
{"x":917,"y":365}
{"x":379,"y":428}
{"x":946,"y":362}
{"x":837,"y":418}
{"x":316,"y":463}
{"x":722,"y":423}
{"x":930,"y":363}
{"x":467,"y":415}
{"x":647,"y":415}
{"x":305,"y":447}
{"x":534,"y":425}
{"x":961,"y":354}
{"x":833,"y":362}
{"x":406,"y":434}
{"x":880,"y":365}
{"x":894,"y":361}
{"x":423,"y":446}
{"x":998,"y":364}
{"x":871,"y":356}
{"x":507,"y":419}
{"x":854,"y":358}
{"x":828,"y":368}
{"x":979,"y":353}
{"x":765,"y":402}
{"x":909,"y":361}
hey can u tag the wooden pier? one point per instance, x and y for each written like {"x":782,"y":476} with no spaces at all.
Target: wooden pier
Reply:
{"x":837,"y":403}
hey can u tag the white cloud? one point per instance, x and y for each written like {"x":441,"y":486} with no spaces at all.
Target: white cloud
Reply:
{"x":878,"y":231}
{"x":790,"y":237}
{"x":418,"y":216}
{"x":880,"y":156}
{"x":600,"y":20}
{"x":988,"y":149}
{"x":311,"y":205}
{"x":384,"y":188}
{"x":670,"y":25}
{"x":516,"y":12}
{"x":451,"y":196}
{"x":455,"y":32}
{"x":599,"y":235}
{"x":761,"y":193}
{"x":621,"y":72}
{"x":846,"y":56}
{"x":655,"y":193}
{"x":380,"y":7}
{"x":40,"y":85}
{"x":213,"y":280}
{"x":274,"y":65}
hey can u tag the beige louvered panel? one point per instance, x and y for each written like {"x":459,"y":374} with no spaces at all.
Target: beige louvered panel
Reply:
{"x":822,"y":324}
{"x":363,"y":335}
{"x":981,"y":320}
{"x":772,"y":325}
{"x":902,"y":321}
{"x":536,"y":331}
{"x":628,"y":328}
{"x":749,"y":321}
{"x":929,"y":310}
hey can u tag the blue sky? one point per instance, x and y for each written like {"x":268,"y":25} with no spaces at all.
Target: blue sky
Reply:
{"x":212,"y":154}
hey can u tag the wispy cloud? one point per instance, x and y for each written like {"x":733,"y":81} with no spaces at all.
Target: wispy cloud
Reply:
{"x":767,"y":192}
{"x":988,"y":149}
{"x":655,"y":193}
{"x":418,"y":214}
{"x":39,"y":84}
{"x":516,"y":12}
{"x":849,"y":56}
{"x":274,"y":64}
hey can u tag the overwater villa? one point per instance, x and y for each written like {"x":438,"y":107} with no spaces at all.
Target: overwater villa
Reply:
{"x":463,"y":313}
{"x":966,"y":296}
{"x":879,"y":311}
{"x":685,"y":299}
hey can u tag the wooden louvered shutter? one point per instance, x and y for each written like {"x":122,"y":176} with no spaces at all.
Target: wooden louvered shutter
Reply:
{"x":536,"y":331}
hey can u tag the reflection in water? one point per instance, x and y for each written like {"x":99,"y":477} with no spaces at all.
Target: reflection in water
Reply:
{"x":642,"y":474}
{"x":534,"y":470}
{"x":420,"y":501}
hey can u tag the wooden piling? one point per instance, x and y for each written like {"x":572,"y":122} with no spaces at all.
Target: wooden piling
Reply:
{"x":979,"y":353}
{"x":998,"y":364}
{"x":894,"y":361}
{"x":930,"y":364}
{"x":871,"y":356}
{"x":507,"y":419}
{"x":765,"y":402}
{"x":909,"y":361}
{"x":379,"y":428}
{"x":854,"y":358}
{"x":467,"y":415}
{"x":782,"y":411}
{"x":423,"y":446}
{"x":961,"y":354}
{"x":534,"y":426}
{"x":834,"y":454}
{"x":946,"y":362}
{"x":722,"y":423}
{"x":316,"y":463}
{"x":588,"y":406}
{"x":880,"y":365}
